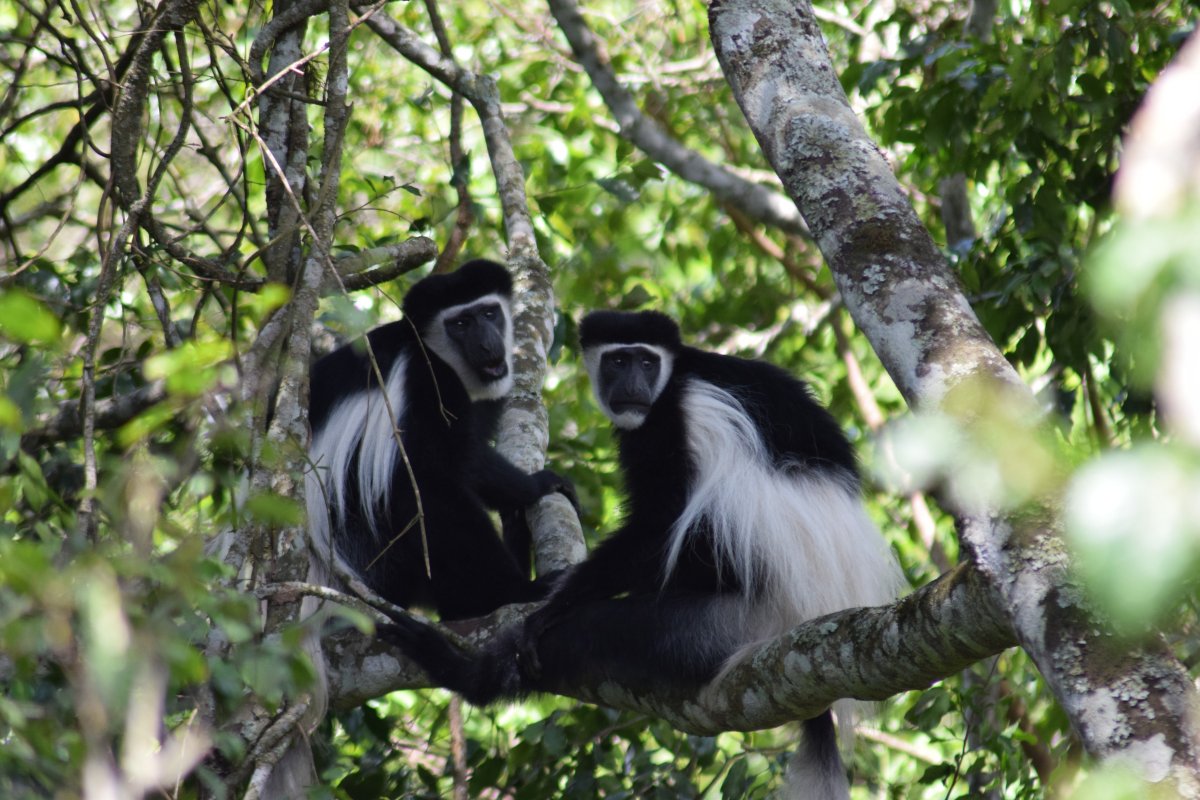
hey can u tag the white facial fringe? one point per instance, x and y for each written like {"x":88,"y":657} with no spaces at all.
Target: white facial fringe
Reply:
{"x":591,"y":360}
{"x":437,"y":340}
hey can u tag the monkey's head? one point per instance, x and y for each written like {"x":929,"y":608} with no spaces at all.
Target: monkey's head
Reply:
{"x":629,"y":357}
{"x":465,"y":318}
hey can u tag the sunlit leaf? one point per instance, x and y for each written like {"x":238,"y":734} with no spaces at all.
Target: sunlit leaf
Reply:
{"x":26,"y":319}
{"x":10,"y":415}
{"x":1134,"y":518}
{"x":274,"y":510}
{"x":191,"y":368}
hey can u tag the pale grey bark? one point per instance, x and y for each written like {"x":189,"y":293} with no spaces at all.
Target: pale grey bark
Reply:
{"x":283,"y":129}
{"x":869,"y":654}
{"x":1125,"y":700}
{"x":280,"y":762}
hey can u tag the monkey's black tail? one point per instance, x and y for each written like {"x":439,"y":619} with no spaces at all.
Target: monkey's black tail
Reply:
{"x":481,"y":677}
{"x":816,"y":771}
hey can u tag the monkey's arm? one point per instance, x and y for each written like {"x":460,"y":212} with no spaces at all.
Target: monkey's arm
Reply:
{"x":629,"y":561}
{"x":502,"y":486}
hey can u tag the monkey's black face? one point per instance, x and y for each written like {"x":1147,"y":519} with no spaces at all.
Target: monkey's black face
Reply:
{"x":476,"y":340}
{"x":479,"y":334}
{"x":627,"y":379}
{"x":629,"y":376}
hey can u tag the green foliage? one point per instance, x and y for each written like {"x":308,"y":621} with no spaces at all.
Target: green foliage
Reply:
{"x":547,"y":748}
{"x":1032,"y":118}
{"x":24,"y":319}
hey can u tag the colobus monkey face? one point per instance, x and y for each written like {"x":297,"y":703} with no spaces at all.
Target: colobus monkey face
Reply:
{"x":627,"y":379}
{"x":476,"y":340}
{"x":478,"y":331}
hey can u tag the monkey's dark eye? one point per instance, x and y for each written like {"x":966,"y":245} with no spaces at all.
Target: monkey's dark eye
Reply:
{"x":489,"y":314}
{"x":647,"y":363}
{"x":618,"y":361}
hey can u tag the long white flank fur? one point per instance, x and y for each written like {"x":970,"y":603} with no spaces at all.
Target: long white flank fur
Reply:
{"x":360,"y":423}
{"x":360,"y":418}
{"x":797,"y":536}
{"x":363,"y":418}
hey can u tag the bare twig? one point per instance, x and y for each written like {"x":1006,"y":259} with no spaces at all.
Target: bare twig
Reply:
{"x":758,"y":202}
{"x":459,"y":165}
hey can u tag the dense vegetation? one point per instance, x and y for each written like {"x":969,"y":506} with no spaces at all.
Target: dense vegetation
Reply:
{"x":106,"y":587}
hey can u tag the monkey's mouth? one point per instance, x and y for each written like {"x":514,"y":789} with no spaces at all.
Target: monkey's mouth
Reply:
{"x":494,"y":371}
{"x":641,"y":409}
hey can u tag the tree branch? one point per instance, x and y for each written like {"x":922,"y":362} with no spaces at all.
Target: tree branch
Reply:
{"x":111,"y":413}
{"x":366,"y":268}
{"x":870,"y":653}
{"x":459,"y":163}
{"x":758,"y":202}
{"x":1126,"y":700}
{"x":524,"y":426}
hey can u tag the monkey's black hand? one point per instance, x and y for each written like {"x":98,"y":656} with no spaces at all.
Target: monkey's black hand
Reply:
{"x":549,"y":582}
{"x":531,"y":634}
{"x":404,"y":633}
{"x":550,"y":481}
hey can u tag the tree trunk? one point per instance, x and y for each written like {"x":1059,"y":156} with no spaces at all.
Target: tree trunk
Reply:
{"x":1126,"y":700}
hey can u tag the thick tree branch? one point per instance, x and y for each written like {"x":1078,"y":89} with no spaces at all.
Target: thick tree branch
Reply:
{"x":280,"y":763}
{"x":109,"y":414}
{"x":283,"y":128}
{"x":1125,"y":700}
{"x":892,"y":277}
{"x":870,"y":654}
{"x":368,"y":268}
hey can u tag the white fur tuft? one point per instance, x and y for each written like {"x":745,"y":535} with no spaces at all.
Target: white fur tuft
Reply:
{"x":626,"y":420}
{"x":437,"y":340}
{"x":797,"y":537}
{"x":358,"y":424}
{"x":378,"y":452}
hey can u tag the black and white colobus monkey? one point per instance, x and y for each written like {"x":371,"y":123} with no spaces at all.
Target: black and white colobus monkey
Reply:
{"x":446,"y":367}
{"x":743,"y":519}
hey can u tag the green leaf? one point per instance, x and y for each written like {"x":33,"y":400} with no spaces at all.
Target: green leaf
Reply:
{"x":192,"y":368}
{"x":10,"y":415}
{"x":33,"y":483}
{"x":25,"y":319}
{"x":274,"y":510}
{"x":145,"y":424}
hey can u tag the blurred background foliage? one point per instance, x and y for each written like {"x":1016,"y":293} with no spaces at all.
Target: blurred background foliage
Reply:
{"x":1031,"y":116}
